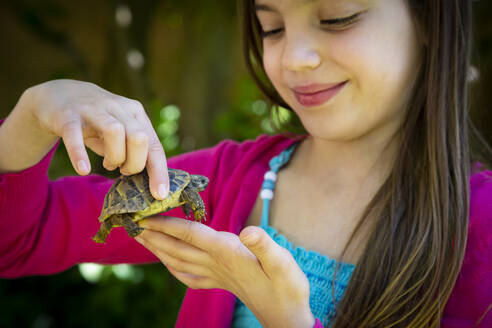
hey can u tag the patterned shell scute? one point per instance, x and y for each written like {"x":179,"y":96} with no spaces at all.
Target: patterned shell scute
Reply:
{"x":130,"y":194}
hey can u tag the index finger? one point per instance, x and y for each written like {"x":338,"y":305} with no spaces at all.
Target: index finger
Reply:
{"x":157,"y":169}
{"x":156,"y":164}
{"x":191,"y":232}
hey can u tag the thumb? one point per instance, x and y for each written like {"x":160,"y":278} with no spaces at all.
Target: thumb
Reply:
{"x":273,"y":257}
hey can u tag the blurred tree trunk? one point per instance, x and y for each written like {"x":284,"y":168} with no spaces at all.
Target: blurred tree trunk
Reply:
{"x":206,"y":77}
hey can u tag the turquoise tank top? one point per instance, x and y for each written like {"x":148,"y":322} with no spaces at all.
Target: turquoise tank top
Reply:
{"x":318,"y":268}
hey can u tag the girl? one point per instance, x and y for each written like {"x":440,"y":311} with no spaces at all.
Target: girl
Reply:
{"x":392,"y":211}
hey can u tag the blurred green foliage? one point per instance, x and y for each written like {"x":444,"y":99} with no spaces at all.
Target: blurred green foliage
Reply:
{"x":68,"y":300}
{"x":195,"y":100}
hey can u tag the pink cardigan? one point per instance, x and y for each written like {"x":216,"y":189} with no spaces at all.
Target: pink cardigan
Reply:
{"x":47,"y":226}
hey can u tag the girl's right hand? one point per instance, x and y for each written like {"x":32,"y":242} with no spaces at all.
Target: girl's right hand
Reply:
{"x":115,"y":127}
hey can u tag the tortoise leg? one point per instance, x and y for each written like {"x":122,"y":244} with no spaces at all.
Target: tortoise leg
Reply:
{"x":131,"y":227}
{"x":186,"y":209}
{"x":192,"y":198}
{"x":102,"y":234}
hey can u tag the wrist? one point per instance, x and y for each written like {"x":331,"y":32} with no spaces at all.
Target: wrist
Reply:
{"x":27,"y":109}
{"x":22,"y":140}
{"x":307,"y":319}
{"x":295,"y":318}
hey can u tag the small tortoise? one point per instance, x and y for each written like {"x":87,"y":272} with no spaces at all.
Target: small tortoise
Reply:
{"x":129,"y":200}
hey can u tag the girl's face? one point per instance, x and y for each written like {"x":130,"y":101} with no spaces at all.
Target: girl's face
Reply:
{"x":365,"y":52}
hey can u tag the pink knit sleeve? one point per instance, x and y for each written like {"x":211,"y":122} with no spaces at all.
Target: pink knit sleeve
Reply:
{"x":318,"y":324}
{"x":47,"y":226}
{"x":470,"y":302}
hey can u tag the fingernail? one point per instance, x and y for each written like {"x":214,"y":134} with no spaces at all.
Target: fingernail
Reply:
{"x":162,"y":191}
{"x":82,"y":166}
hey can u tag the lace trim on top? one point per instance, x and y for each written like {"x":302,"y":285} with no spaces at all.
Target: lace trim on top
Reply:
{"x":318,"y":268}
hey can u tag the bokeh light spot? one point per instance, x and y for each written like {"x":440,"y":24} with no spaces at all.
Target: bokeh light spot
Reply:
{"x":170,"y":112}
{"x":135,"y":59}
{"x":259,"y":107}
{"x":91,"y":272}
{"x":127,"y":272}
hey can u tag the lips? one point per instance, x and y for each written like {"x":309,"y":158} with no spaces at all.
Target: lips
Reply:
{"x":313,"y":88}
{"x":317,"y":94}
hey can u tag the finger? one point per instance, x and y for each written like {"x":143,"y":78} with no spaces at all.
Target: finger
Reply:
{"x":193,"y":281}
{"x":273,"y":258}
{"x":96,"y":145}
{"x":185,"y":270}
{"x":157,"y":170}
{"x":74,"y":142}
{"x":174,"y":247}
{"x":137,"y":143}
{"x":191,"y":232}
{"x":156,"y":160}
{"x":183,"y":266}
{"x":114,"y":138}
{"x":137,"y":138}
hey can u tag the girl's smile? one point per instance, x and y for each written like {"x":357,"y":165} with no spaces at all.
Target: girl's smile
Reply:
{"x":315,"y":94}
{"x":368,"y":52}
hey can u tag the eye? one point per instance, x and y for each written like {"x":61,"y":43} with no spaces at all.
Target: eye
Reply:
{"x":265,"y":34}
{"x":333,"y":22}
{"x":341,"y":22}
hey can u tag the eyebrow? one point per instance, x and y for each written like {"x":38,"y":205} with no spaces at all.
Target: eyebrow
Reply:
{"x":261,"y":7}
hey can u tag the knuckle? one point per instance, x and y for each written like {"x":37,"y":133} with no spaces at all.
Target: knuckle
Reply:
{"x":187,"y":236}
{"x":80,"y":108}
{"x":69,"y":126}
{"x":155,"y":147}
{"x":138,"y":138}
{"x":233,"y":245}
{"x":114,"y":128}
{"x":110,"y":103}
{"x":136,"y":106}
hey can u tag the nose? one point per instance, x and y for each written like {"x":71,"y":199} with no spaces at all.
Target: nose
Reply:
{"x":300,"y":53}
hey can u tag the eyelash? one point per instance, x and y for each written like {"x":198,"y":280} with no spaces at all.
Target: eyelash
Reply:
{"x":344,"y":21}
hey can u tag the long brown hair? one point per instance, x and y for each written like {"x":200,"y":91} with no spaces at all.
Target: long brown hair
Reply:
{"x":418,"y":240}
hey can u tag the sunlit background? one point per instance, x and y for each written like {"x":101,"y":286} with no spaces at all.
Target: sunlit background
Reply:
{"x":182,"y":59}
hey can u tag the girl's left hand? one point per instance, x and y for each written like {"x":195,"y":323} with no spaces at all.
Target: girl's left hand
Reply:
{"x":252,"y":266}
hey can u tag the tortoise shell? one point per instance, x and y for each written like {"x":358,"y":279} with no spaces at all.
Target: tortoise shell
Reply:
{"x":131,"y":194}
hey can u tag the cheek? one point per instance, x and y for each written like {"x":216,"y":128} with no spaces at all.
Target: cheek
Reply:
{"x":271,"y":64}
{"x":382,"y":57}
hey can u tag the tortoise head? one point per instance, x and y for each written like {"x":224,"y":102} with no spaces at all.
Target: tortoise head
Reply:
{"x":198,"y":182}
